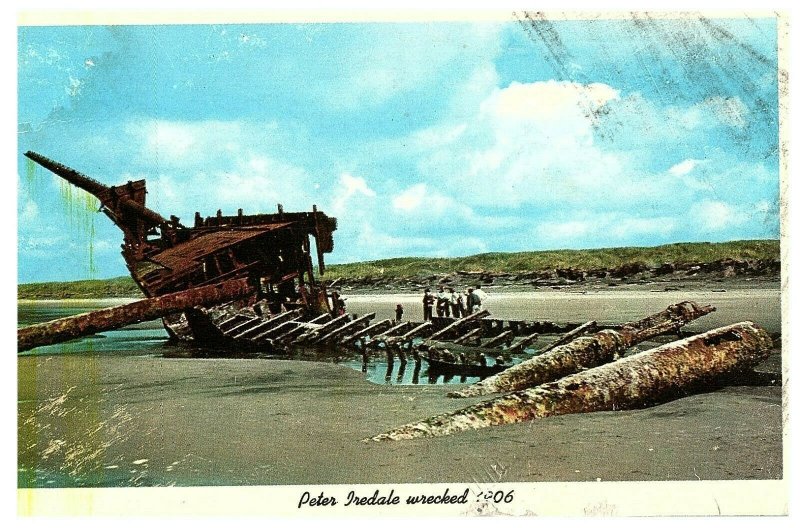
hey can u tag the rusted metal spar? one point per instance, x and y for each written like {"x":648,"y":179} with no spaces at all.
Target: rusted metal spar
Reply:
{"x":272,"y":322}
{"x":520,"y":345}
{"x":110,"y":318}
{"x":455,"y":325}
{"x":418,"y":330}
{"x":585,"y":352}
{"x":314,"y":332}
{"x":501,"y":339}
{"x":472,"y":334}
{"x":377,"y":327}
{"x":585,"y":328}
{"x":102,"y":192}
{"x":354,"y":324}
{"x":632,"y":382}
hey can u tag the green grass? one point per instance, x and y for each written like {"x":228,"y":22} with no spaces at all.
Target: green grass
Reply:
{"x":534,"y":261}
{"x":85,"y":289}
{"x":408,"y":267}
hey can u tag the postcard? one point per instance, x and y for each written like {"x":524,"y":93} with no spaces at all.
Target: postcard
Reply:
{"x":406,"y":263}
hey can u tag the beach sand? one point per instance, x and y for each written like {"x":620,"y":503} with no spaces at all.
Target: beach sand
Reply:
{"x":103,"y":420}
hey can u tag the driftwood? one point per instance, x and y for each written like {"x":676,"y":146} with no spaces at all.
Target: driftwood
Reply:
{"x":80,"y":325}
{"x":585,"y":352}
{"x":632,"y":382}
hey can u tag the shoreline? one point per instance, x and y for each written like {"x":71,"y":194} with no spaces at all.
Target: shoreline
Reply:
{"x":704,"y":284}
{"x":182,"y":422}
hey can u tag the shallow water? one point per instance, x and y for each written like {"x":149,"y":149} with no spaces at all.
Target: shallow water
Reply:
{"x":150,"y":339}
{"x":115,"y":410}
{"x":759,"y":305}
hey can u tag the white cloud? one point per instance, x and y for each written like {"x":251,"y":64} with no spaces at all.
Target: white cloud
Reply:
{"x":418,"y":199}
{"x":683,"y":168}
{"x":349,"y":186}
{"x":411,"y":198}
{"x":185,"y":141}
{"x":611,"y":228}
{"x":549,"y":100}
{"x":712,"y":215}
{"x":564,"y":230}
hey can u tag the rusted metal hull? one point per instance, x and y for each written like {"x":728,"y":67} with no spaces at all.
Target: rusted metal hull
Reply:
{"x":164,"y":256}
{"x":145,"y":310}
{"x":585,"y":352}
{"x":633,"y":382}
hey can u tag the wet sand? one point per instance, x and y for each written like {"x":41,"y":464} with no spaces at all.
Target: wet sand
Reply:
{"x":141,"y":420}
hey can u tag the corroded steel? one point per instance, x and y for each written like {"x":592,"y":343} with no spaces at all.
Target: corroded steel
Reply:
{"x":500,"y":339}
{"x":636,"y":381}
{"x":272,"y":251}
{"x":520,"y":345}
{"x":586,"y":352}
{"x":458,"y":323}
{"x":585,"y":328}
{"x":475,"y":333}
{"x":368,"y":331}
{"x":336,"y":332}
{"x":110,"y":318}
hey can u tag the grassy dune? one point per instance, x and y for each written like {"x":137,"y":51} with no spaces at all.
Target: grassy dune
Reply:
{"x":85,"y":289}
{"x":583,"y":259}
{"x":529,"y":261}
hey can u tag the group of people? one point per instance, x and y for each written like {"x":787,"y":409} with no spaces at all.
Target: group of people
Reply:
{"x":451,"y":303}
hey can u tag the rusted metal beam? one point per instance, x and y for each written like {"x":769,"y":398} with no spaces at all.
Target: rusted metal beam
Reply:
{"x":355,"y":323}
{"x":585,"y":328}
{"x":420,"y":329}
{"x":243,"y":327}
{"x":475,"y":333}
{"x":272,"y":322}
{"x":636,"y":381}
{"x":379,"y":326}
{"x":458,"y":323}
{"x":276,"y":330}
{"x":520,"y":345}
{"x":97,"y":189}
{"x":394,"y":330}
{"x":502,"y":338}
{"x":314,"y":332}
{"x":585,"y":352}
{"x":110,"y":318}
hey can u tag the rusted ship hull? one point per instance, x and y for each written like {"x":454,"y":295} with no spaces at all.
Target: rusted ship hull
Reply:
{"x":273,"y":253}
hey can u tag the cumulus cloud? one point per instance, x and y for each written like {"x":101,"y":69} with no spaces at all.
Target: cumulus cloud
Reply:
{"x":349,"y":186}
{"x":712,"y":215}
{"x":549,"y":100}
{"x":683,"y":168}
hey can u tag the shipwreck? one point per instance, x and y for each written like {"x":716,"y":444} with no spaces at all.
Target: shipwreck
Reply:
{"x":246,"y":283}
{"x":196,"y":278}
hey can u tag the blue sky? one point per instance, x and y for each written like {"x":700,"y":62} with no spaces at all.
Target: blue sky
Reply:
{"x":437,"y":139}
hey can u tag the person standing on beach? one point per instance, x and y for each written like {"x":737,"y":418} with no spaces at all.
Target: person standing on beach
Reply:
{"x":470,"y":299}
{"x":479,"y":299}
{"x":442,"y":303}
{"x":398,"y":312}
{"x":454,"y":306}
{"x":427,"y":305}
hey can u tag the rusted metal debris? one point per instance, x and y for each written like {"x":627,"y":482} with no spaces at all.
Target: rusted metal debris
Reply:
{"x":636,"y":381}
{"x":272,"y":251}
{"x":80,"y":325}
{"x":585,"y":352}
